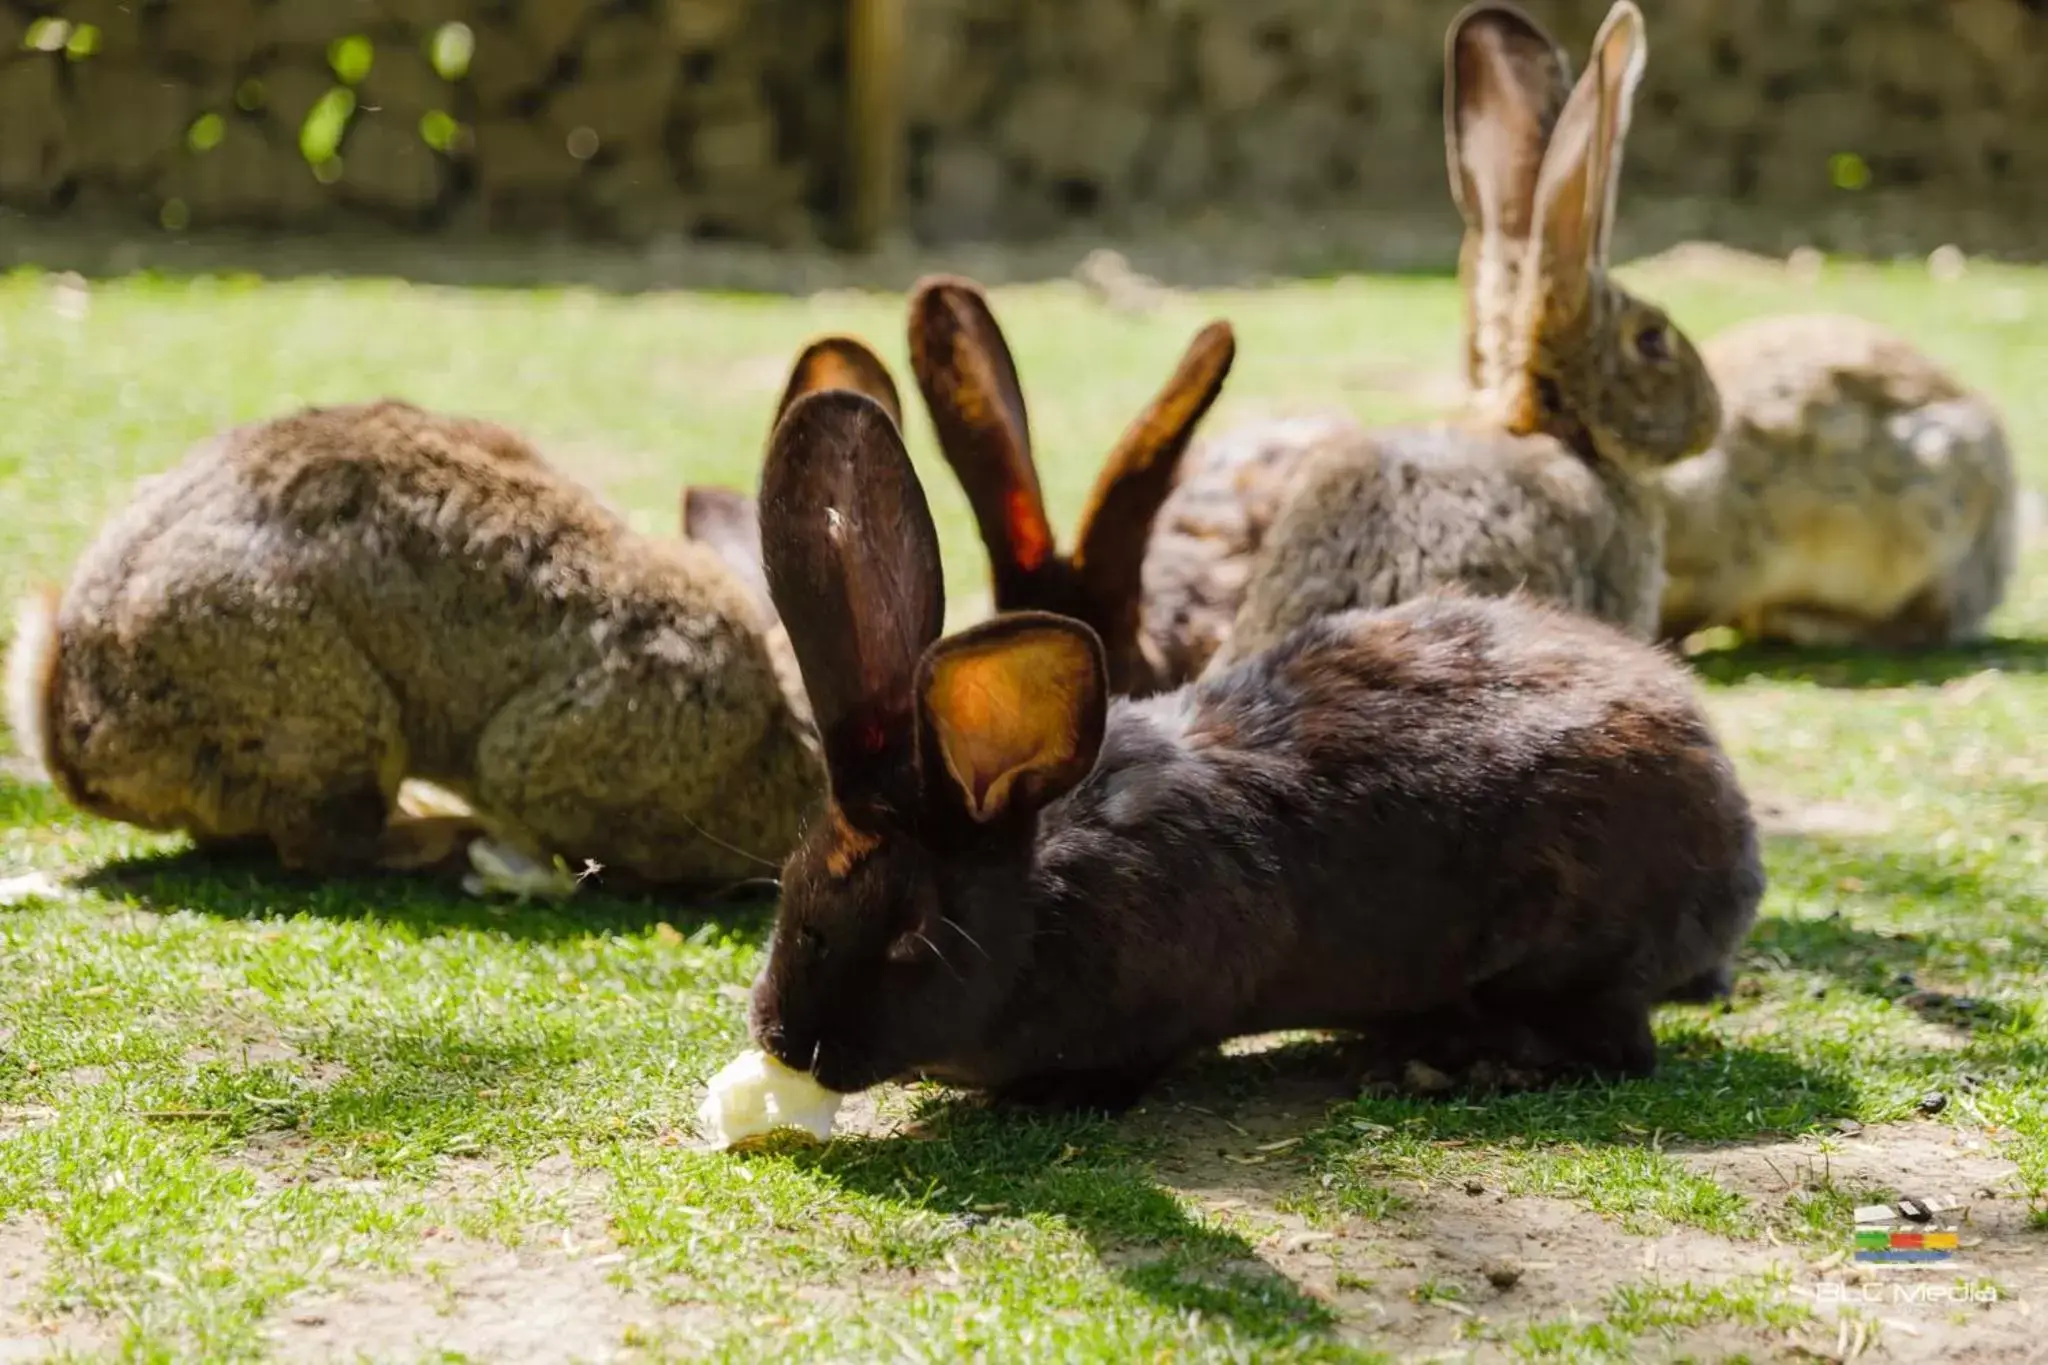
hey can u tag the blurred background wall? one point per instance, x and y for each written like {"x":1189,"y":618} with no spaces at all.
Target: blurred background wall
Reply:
{"x":1872,"y":125}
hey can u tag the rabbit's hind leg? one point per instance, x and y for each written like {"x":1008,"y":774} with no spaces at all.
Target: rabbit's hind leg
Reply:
{"x":646,"y":773}
{"x":1499,"y":1041}
{"x":1582,"y":1031}
{"x":250,"y":714}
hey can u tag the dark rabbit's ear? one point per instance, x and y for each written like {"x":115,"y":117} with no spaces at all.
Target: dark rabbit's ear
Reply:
{"x":729,"y":522}
{"x":970,"y":387}
{"x":841,"y":362}
{"x":1575,"y":194}
{"x":1014,"y":711}
{"x":1505,"y":82}
{"x":1117,"y":525}
{"x":853,"y":566}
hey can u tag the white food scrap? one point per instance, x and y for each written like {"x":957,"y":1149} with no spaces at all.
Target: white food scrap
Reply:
{"x":755,"y":1094}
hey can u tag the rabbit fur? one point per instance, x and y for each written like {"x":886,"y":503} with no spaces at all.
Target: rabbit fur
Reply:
{"x":1546,"y":484}
{"x":1858,"y":494}
{"x":308,"y":610}
{"x":1494,"y":831}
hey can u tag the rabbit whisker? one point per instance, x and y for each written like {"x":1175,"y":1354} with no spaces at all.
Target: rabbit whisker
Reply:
{"x":954,"y":925}
{"x":733,"y":849}
{"x":942,"y":957}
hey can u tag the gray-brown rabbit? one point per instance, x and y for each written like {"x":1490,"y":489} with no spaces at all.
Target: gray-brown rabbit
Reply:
{"x":1583,"y":392}
{"x":1858,"y":494}
{"x":308,"y":610}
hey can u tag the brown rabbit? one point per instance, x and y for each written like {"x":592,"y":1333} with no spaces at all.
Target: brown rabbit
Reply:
{"x":1858,"y":495}
{"x":1481,"y":829}
{"x":308,"y":610}
{"x":1583,"y":392}
{"x":727,"y":520}
{"x":970,"y":386}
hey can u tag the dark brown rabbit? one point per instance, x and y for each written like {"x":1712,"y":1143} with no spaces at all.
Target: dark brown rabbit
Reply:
{"x":970,"y":386}
{"x":1488,"y":831}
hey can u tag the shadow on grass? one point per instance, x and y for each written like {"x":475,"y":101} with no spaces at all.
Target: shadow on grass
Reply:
{"x":252,"y":886}
{"x":1858,"y":669}
{"x":1977,"y":909}
{"x":971,"y":1161}
{"x":1265,"y":1124}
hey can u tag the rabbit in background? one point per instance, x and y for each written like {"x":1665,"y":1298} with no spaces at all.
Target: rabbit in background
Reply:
{"x":976,"y":401}
{"x":1489,"y":833}
{"x":307,"y":611}
{"x":1858,"y":494}
{"x":1547,"y":484}
{"x":970,"y":386}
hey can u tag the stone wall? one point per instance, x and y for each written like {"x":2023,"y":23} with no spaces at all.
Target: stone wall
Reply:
{"x":644,"y":119}
{"x":1027,"y":114}
{"x":711,"y":118}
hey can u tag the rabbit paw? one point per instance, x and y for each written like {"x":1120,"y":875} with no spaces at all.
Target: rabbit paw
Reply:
{"x":502,"y":870}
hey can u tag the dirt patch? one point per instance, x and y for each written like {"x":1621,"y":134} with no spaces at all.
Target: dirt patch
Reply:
{"x":1783,"y":816}
{"x":1979,"y":1193}
{"x":558,"y":1295}
{"x":28,"y":1329}
{"x":1459,"y":1270}
{"x":482,"y":1302}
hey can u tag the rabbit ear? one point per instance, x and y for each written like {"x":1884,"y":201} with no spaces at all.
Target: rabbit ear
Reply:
{"x":1139,"y":474}
{"x":729,"y":522}
{"x":841,"y":362}
{"x":1581,"y":171}
{"x":1013,"y":712}
{"x":853,"y":567}
{"x":977,"y":406}
{"x":1505,"y":80}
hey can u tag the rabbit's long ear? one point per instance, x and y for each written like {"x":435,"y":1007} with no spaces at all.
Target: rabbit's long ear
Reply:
{"x":729,"y":522}
{"x":1575,"y":195}
{"x":841,"y":362}
{"x":970,"y":387}
{"x":1013,"y":714}
{"x":1117,"y":524}
{"x":1505,"y":81}
{"x":853,"y":566}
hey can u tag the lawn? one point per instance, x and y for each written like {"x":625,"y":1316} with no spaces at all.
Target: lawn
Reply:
{"x":243,"y":1115}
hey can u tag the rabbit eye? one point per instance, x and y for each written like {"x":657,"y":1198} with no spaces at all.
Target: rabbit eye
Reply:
{"x":811,"y":942}
{"x":1654,"y":344}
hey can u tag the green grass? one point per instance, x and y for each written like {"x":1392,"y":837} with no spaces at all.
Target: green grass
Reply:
{"x":235,"y":1105}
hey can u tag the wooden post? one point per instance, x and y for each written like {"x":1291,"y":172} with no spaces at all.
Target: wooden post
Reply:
{"x":874,"y":56}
